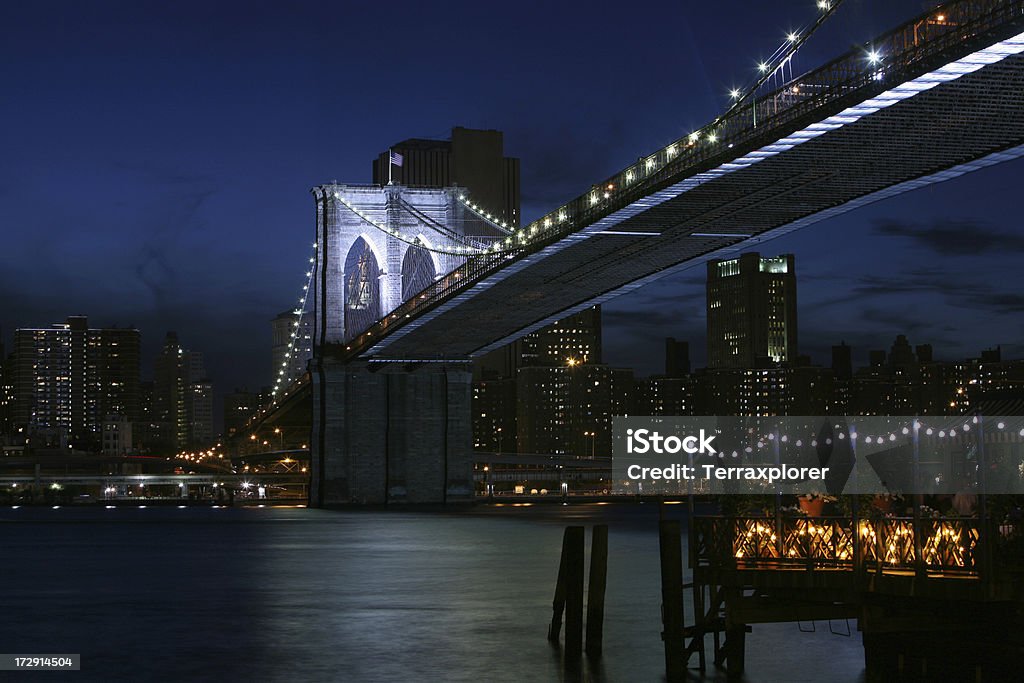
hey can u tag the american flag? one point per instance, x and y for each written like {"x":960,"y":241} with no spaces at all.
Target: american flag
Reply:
{"x":396,"y":158}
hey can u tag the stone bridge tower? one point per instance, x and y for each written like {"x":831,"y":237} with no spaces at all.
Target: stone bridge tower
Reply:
{"x":385,"y":431}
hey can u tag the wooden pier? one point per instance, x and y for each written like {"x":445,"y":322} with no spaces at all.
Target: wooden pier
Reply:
{"x":929,"y":594}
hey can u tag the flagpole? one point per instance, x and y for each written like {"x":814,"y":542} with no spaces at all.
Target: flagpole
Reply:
{"x":390,"y":165}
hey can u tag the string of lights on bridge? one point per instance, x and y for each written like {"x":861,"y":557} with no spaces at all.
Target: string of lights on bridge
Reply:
{"x":516,"y":239}
{"x":461,"y":248}
{"x":283,"y":380}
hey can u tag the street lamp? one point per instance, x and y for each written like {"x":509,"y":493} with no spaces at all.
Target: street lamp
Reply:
{"x":592,"y":436}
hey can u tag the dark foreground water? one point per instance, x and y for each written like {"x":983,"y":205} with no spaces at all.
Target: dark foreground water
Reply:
{"x":309,"y":595}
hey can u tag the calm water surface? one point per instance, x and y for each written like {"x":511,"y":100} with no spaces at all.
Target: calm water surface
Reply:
{"x":310,"y":595}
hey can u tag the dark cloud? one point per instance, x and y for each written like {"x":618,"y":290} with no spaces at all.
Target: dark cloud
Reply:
{"x":1005,"y":302}
{"x":641,"y":320}
{"x":962,"y":291}
{"x":954,"y":237}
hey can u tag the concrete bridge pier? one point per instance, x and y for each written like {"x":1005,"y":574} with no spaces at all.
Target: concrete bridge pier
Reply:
{"x":390,"y":432}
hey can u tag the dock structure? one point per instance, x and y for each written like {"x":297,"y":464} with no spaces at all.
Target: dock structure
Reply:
{"x":928,"y":594}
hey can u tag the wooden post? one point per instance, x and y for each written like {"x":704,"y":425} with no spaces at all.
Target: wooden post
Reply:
{"x":919,"y":566}
{"x":858,"y":552}
{"x":735,"y":639}
{"x":574,"y":575}
{"x":672,"y":598}
{"x":558,"y":604}
{"x":879,"y":543}
{"x":700,"y":623}
{"x":986,"y":527}
{"x":596,"y":589}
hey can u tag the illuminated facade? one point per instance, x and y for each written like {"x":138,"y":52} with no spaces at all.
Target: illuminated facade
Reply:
{"x":751,"y":311}
{"x":68,"y":378}
{"x":567,"y":410}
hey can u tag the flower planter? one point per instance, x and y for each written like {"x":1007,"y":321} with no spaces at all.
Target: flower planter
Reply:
{"x":882,"y":503}
{"x":814,"y":507}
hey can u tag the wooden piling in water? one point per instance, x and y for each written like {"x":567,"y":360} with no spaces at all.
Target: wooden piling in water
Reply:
{"x":596,"y":589}
{"x":569,"y":593}
{"x":558,"y":603}
{"x":574,"y":576}
{"x":670,"y":542}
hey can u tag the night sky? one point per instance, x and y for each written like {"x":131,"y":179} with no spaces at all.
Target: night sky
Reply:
{"x":157,"y":159}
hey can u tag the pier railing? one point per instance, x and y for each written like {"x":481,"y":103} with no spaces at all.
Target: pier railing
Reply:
{"x":930,"y":546}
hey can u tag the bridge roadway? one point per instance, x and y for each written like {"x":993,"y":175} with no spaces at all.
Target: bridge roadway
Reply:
{"x":945,"y":97}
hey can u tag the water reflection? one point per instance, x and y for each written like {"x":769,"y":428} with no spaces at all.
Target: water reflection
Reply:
{"x":297,"y":594}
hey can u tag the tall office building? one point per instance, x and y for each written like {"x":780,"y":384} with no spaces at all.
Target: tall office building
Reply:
{"x":575,"y":339}
{"x":568,"y":409}
{"x":473,"y":159}
{"x":533,"y":367}
{"x":182,"y":397}
{"x":239,"y":406}
{"x":677,"y":358}
{"x":169,"y":394}
{"x":751,"y":311}
{"x":6,"y":391}
{"x":68,"y":378}
{"x":494,"y":415}
{"x":282,"y":328}
{"x":198,"y":400}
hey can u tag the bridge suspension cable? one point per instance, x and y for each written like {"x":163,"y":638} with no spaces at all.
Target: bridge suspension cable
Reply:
{"x":782,"y":55}
{"x":283,"y":380}
{"x":437,"y":226}
{"x":479,"y":212}
{"x":461,"y":248}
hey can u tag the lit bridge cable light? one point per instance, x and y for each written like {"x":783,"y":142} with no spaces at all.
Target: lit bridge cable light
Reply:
{"x":459,"y":249}
{"x":283,"y":380}
{"x":736,"y":126}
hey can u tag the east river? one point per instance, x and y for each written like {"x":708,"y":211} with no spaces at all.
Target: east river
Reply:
{"x":295,"y":594}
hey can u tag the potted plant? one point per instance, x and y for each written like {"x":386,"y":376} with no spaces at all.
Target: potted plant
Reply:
{"x":814,"y":503}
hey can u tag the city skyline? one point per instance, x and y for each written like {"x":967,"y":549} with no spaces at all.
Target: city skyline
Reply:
{"x":212,"y":240}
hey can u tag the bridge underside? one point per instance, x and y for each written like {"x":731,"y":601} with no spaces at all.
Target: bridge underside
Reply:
{"x":924,"y":138}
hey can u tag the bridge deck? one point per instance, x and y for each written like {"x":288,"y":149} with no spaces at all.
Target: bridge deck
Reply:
{"x":906,"y":125}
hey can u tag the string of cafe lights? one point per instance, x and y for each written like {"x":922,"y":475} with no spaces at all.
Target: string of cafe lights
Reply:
{"x":943,"y":431}
{"x":282,"y":380}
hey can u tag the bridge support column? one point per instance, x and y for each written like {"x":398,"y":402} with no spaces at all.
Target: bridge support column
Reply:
{"x":390,"y":433}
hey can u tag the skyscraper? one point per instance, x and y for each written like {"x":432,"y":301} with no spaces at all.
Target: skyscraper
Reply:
{"x":169,"y":393}
{"x":239,"y":406}
{"x":68,"y":378}
{"x":575,"y":338}
{"x":751,"y":311}
{"x":677,"y":358}
{"x":182,"y":396}
{"x":6,"y":391}
{"x":473,"y":159}
{"x":568,"y":409}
